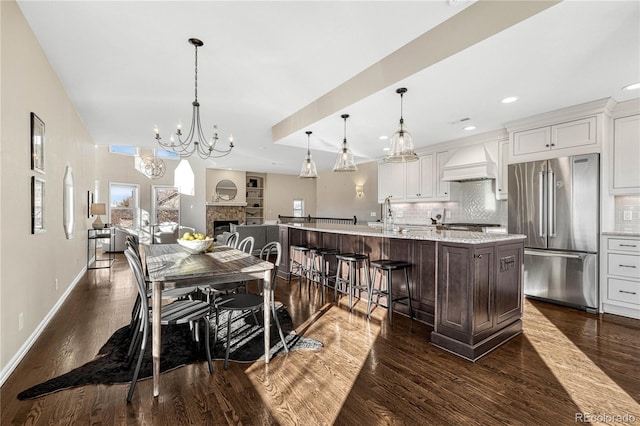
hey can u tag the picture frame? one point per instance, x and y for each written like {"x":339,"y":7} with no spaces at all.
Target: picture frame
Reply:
{"x":89,"y":202}
{"x":37,"y":144}
{"x":37,"y":205}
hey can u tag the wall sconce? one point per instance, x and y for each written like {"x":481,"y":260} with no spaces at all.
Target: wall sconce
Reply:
{"x":360,"y":190}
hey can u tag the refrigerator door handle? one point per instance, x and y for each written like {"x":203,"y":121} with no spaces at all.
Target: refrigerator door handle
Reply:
{"x":541,"y":209}
{"x":551,"y":193}
{"x":549,"y":253}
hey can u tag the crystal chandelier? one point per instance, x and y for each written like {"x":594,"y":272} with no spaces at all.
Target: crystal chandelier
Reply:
{"x":345,"y":162}
{"x":401,"y":146}
{"x":152,"y":167}
{"x":308,"y":170}
{"x":195,"y":141}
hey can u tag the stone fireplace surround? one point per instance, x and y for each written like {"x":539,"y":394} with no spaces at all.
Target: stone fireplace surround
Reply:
{"x":224,"y":213}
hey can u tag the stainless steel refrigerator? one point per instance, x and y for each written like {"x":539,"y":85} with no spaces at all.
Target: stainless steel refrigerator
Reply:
{"x":556,"y":204}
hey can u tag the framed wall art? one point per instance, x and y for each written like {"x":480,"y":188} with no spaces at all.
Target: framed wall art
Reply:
{"x":37,"y":143}
{"x":37,"y":205}
{"x":89,"y":202}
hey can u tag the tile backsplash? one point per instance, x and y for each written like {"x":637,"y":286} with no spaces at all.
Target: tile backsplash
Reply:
{"x":631,"y":205}
{"x":476,"y":204}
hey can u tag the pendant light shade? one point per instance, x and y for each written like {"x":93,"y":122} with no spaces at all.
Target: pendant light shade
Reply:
{"x":401,"y":145}
{"x":308,"y":170}
{"x":344,"y":161}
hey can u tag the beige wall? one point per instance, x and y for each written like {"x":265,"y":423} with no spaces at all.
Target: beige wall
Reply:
{"x":118,"y":168}
{"x":336,"y":193}
{"x":30,"y":264}
{"x":216,"y":175}
{"x":281,"y":190}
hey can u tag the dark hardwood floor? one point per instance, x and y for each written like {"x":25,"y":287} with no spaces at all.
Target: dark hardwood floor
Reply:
{"x":566,"y":363}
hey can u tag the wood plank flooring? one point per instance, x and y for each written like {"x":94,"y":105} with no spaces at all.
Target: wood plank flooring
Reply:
{"x":566,"y":363}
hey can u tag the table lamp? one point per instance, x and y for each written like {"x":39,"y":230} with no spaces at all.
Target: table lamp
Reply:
{"x":98,"y":209}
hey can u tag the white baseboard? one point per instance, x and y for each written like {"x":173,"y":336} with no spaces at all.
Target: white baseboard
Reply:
{"x":13,"y":363}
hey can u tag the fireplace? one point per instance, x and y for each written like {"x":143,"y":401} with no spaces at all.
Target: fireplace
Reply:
{"x":220,"y":226}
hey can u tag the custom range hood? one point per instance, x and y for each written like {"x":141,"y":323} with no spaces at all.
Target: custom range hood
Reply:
{"x":470,"y":163}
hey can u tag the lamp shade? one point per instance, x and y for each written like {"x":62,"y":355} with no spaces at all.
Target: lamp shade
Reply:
{"x":98,"y":208}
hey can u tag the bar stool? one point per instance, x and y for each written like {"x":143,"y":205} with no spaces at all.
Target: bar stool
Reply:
{"x":320,"y":274}
{"x":386,"y":268}
{"x":298,"y":266}
{"x":355,"y":262}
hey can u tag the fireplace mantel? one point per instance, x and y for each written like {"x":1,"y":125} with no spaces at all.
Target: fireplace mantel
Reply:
{"x":227,"y":203}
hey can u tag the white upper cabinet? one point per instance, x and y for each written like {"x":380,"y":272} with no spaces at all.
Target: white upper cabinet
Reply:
{"x":391,"y":181}
{"x":532,"y":141}
{"x":576,"y":133}
{"x":419,"y":178}
{"x":443,"y":188}
{"x":626,"y":155}
{"x":502,"y":182}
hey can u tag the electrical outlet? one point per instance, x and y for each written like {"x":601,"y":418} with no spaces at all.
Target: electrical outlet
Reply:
{"x":429,"y":214}
{"x":628,"y":215}
{"x":20,"y":321}
{"x":56,"y":283}
{"x":447,"y":214}
{"x":373,"y":214}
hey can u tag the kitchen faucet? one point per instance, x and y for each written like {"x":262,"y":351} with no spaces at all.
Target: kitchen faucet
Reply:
{"x":388,"y":217}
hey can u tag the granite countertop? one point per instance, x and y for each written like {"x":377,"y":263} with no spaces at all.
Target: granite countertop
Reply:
{"x":465,"y":237}
{"x":623,"y":232}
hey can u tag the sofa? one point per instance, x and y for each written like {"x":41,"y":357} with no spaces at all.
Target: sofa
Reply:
{"x":262,"y":234}
{"x":168,"y":233}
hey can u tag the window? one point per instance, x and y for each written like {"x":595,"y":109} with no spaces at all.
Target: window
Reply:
{"x":123,"y":205}
{"x":298,"y":208}
{"x":163,"y":153}
{"x":123,"y":149}
{"x":165,"y":203}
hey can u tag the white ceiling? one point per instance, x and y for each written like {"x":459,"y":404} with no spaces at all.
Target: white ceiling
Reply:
{"x":127,"y":66}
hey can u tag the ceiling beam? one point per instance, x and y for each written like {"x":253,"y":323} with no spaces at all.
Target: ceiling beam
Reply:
{"x":472,"y":25}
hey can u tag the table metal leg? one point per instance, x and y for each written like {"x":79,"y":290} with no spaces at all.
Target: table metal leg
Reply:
{"x":266,"y":293}
{"x":156,"y":307}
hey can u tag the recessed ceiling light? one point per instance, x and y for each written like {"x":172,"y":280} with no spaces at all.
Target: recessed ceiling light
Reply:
{"x":470,"y":128}
{"x":632,"y":86}
{"x":509,"y":99}
{"x":386,"y":148}
{"x":383,"y":138}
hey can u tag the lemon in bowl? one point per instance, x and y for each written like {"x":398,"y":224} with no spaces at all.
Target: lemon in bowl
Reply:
{"x":195,"y":243}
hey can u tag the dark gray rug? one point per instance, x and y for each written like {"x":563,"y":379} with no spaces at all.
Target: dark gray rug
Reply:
{"x":178,"y":349}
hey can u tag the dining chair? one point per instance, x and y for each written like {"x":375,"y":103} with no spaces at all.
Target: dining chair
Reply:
{"x":246,"y":245}
{"x":175,"y":293}
{"x":250,"y":302}
{"x":177,"y":312}
{"x":232,"y":241}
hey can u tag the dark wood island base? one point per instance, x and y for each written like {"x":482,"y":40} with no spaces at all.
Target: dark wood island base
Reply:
{"x":466,"y":285}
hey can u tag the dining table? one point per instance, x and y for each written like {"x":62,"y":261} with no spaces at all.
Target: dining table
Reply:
{"x":170,"y":266}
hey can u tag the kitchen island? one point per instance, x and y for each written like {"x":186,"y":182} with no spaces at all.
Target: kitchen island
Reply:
{"x":466,"y":285}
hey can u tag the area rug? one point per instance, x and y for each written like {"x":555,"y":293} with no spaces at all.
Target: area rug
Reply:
{"x":178,"y":349}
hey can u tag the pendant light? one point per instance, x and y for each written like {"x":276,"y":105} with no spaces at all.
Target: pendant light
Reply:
{"x":344,"y":162}
{"x":195,"y":142}
{"x":401,"y":147}
{"x":308,"y":170}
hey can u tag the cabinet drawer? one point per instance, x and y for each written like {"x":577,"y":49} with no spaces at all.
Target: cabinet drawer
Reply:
{"x":624,"y":291}
{"x":625,"y":265}
{"x":624,"y":245}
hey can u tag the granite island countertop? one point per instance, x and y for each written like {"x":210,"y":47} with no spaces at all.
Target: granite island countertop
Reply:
{"x":632,"y":232}
{"x":465,"y":237}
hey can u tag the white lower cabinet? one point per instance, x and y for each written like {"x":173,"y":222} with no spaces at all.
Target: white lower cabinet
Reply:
{"x":620,"y":284}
